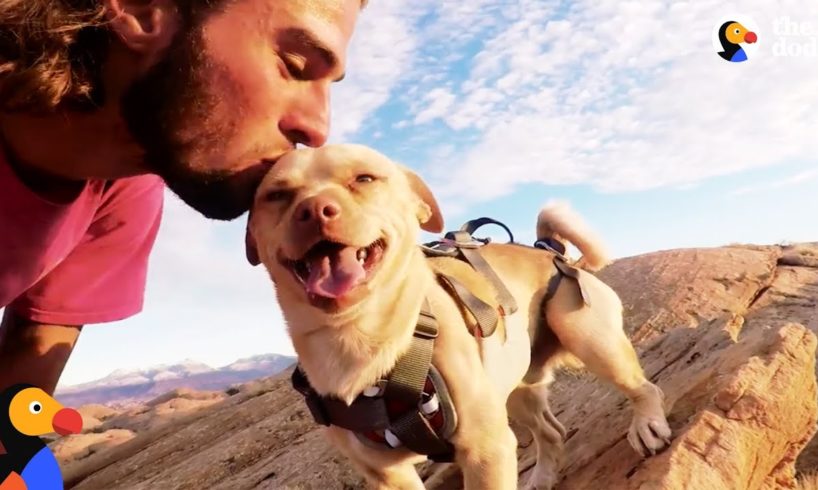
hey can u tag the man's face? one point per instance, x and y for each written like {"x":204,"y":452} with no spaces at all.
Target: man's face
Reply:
{"x":238,"y":88}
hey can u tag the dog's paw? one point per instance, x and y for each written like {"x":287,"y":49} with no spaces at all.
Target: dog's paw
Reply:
{"x":551,"y":420}
{"x":542,"y":479}
{"x":648,"y":435}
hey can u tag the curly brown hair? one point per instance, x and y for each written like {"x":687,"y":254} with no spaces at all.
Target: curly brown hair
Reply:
{"x":51,"y":52}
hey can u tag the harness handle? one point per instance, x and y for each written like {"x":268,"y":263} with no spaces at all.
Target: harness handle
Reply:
{"x":472,"y":225}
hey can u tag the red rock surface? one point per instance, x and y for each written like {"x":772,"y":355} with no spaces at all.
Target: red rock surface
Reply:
{"x":726,"y":332}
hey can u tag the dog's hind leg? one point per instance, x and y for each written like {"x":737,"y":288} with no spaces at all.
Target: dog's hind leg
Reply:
{"x":528,"y":405}
{"x":595,"y":336}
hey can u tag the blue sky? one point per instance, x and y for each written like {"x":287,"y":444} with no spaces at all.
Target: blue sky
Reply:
{"x":621,"y":108}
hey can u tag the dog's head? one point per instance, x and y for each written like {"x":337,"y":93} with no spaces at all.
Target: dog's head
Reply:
{"x":326,"y":222}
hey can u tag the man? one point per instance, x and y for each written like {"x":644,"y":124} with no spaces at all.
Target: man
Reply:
{"x":102,"y":103}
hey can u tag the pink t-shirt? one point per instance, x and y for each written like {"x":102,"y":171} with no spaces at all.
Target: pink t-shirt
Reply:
{"x":82,"y":262}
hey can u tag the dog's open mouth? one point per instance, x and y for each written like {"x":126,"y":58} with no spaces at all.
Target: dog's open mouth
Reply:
{"x":332,"y":270}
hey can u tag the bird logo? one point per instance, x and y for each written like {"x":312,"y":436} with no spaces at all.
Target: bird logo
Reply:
{"x":732,"y":35}
{"x":26,"y":413}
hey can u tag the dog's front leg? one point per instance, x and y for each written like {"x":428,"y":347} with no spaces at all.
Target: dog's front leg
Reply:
{"x":383,"y":469}
{"x":486,"y":446}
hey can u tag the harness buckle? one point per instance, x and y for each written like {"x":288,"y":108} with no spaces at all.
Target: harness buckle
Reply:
{"x":428,"y":404}
{"x":461,"y":239}
{"x":425,"y":331}
{"x":551,"y":245}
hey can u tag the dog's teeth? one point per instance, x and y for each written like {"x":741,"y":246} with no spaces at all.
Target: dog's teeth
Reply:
{"x":362,"y":254}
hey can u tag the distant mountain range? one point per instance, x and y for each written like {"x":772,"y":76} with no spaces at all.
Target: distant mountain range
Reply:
{"x":126,"y":387}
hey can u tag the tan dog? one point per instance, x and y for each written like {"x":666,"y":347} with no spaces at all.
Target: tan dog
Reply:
{"x":336,"y":228}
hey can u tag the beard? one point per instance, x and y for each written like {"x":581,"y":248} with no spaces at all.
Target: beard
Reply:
{"x":173,"y":114}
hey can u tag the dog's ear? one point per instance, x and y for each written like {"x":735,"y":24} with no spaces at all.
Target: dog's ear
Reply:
{"x":250,"y":249}
{"x":429,"y":214}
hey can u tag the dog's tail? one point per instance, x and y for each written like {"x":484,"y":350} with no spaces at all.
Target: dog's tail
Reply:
{"x":558,"y":221}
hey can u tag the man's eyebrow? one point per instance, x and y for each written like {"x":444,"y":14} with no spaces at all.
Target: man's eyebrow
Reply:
{"x":308,"y":40}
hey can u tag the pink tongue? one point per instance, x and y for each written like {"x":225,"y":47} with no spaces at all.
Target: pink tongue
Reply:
{"x":334,"y":275}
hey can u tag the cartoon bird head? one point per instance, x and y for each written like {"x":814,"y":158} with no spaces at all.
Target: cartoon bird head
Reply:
{"x":27,"y":412}
{"x":733,"y":33}
{"x":32,"y":412}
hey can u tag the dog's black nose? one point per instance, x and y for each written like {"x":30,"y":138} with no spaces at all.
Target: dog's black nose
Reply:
{"x":317,"y":209}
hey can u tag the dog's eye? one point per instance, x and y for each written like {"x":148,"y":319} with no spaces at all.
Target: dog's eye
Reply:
{"x":277,"y":196}
{"x":365,"y":178}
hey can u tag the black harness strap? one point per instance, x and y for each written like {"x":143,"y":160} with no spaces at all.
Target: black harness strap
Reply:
{"x":471,"y":226}
{"x":485,"y":315}
{"x":553,"y":284}
{"x":405,"y":385}
{"x":550,"y":244}
{"x":467,"y":245}
{"x":504,"y":297}
{"x":331,"y":411}
{"x":462,"y":245}
{"x":573,"y":273}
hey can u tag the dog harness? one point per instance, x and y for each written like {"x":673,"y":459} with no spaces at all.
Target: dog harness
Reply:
{"x":411,"y":407}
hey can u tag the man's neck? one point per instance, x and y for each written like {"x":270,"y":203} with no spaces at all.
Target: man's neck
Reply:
{"x":71,"y":146}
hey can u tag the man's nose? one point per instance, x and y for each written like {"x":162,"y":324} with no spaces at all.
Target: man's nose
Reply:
{"x":307,"y":121}
{"x":320,"y":210}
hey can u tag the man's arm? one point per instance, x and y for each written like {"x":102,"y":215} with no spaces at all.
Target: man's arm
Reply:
{"x":100,"y":281}
{"x":34,"y":353}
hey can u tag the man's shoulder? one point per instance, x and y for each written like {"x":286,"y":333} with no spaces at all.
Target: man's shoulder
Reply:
{"x":138,"y":184}
{"x":142,"y":193}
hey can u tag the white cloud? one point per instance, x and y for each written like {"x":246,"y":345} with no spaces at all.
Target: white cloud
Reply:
{"x":793,"y":180}
{"x":624,"y":96}
{"x":446,"y":26}
{"x":382,"y":49}
{"x":438,"y":102}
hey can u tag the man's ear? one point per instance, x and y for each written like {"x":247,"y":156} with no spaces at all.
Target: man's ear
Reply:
{"x":144,"y":26}
{"x":250,"y":249}
{"x":429,"y":215}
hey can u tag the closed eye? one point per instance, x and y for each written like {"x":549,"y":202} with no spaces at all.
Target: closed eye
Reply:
{"x":365,"y":178}
{"x":278,"y":195}
{"x":296,"y":66}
